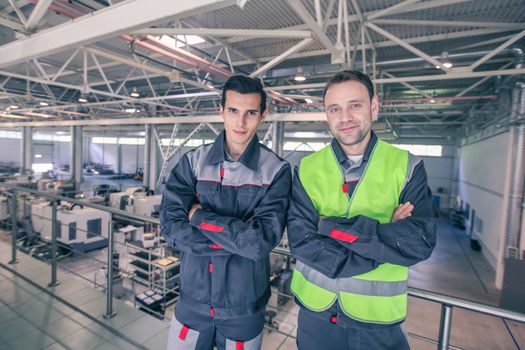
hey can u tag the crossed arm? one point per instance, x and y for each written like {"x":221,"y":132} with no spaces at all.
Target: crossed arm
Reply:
{"x":363,"y":243}
{"x":197,"y":229}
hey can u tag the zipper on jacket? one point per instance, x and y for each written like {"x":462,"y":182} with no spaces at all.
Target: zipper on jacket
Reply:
{"x":351,"y":197}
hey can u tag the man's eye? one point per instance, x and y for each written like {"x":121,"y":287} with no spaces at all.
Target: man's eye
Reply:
{"x":333,"y":109}
{"x":252,"y":113}
{"x":355,"y":106}
{"x":232,"y":110}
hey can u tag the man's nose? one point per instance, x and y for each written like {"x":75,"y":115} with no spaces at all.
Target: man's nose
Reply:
{"x":347,"y":115}
{"x":241,"y":120}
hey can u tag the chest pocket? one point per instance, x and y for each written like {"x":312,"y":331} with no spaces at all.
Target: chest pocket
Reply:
{"x":207,"y":192}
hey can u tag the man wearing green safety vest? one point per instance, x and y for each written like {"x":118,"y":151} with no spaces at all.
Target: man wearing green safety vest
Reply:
{"x":361,"y":214}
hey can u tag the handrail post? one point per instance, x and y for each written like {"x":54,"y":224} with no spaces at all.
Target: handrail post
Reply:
{"x":444,"y":327}
{"x":109,"y":283}
{"x":54,"y":281}
{"x":14,"y":227}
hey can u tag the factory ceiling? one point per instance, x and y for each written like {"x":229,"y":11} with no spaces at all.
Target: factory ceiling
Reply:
{"x":441,"y":67}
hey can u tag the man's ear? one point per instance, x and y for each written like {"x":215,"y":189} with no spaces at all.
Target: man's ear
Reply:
{"x":375,"y":108}
{"x":264,"y":114}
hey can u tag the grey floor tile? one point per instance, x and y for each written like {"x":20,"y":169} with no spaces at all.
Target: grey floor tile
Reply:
{"x":82,"y":296}
{"x":116,"y":344}
{"x":6,"y":314}
{"x":15,"y":327}
{"x":15,"y":295}
{"x":62,"y":327}
{"x":518,"y":332}
{"x":35,"y":339}
{"x":158,"y":341}
{"x":101,"y":331}
{"x":95,"y":307}
{"x":143,"y":328}
{"x":83,"y":339}
{"x":125,"y":315}
{"x":57,"y":346}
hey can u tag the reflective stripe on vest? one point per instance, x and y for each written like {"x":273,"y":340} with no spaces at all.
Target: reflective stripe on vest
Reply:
{"x":378,"y":296}
{"x":351,"y":284}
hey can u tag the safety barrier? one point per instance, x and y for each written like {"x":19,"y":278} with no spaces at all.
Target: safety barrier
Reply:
{"x":447,"y":303}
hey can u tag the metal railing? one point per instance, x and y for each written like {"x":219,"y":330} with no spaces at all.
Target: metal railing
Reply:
{"x":448,"y":303}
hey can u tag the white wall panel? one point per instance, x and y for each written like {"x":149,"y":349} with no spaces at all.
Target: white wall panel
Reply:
{"x":132,"y":158}
{"x":11,"y":151}
{"x":481,"y":183}
{"x":104,"y":153}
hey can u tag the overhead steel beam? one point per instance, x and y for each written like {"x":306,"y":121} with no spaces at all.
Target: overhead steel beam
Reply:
{"x":221,"y":32}
{"x":130,"y":62}
{"x":284,"y":117}
{"x":413,"y":88}
{"x":497,"y":50}
{"x":406,"y":45}
{"x":19,"y":13}
{"x":38,"y":13}
{"x":101,"y":25}
{"x":388,"y":43}
{"x":411,"y":22}
{"x":299,"y":8}
{"x":302,"y":44}
{"x":435,"y":77}
{"x":355,"y":18}
{"x":391,"y":9}
{"x":166,"y":120}
{"x":8,"y":22}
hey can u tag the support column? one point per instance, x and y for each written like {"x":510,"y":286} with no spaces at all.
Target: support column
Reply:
{"x":278,"y":138}
{"x":150,"y":159}
{"x":119,"y":158}
{"x":27,"y":147}
{"x":76,"y":161}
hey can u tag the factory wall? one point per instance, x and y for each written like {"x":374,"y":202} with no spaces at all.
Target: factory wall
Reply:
{"x":481,"y":184}
{"x":11,"y":151}
{"x":104,"y":153}
{"x":132,"y":158}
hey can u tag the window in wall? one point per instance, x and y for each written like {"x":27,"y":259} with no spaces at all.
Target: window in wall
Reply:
{"x":422,"y":150}
{"x":94,"y":228}
{"x":130,"y":141}
{"x":41,"y":167}
{"x":111,"y":140}
{"x":72,"y":231}
{"x":10,"y":134}
{"x":52,"y":137}
{"x":59,"y":229}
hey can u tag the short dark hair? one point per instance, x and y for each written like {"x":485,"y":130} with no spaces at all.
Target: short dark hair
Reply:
{"x":244,"y":85}
{"x":351,"y":75}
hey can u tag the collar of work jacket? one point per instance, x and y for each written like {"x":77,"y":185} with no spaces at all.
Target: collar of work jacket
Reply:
{"x":249,"y":158}
{"x":341,"y":156}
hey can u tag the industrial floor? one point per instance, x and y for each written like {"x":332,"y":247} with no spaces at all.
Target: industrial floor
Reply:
{"x":30,"y":318}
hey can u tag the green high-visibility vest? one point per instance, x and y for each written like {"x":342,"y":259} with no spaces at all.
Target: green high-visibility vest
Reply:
{"x":378,"y":296}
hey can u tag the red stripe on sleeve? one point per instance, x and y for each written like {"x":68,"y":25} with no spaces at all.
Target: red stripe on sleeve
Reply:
{"x":239,"y":345}
{"x":211,"y":227}
{"x":343,"y":236}
{"x":215,"y":246}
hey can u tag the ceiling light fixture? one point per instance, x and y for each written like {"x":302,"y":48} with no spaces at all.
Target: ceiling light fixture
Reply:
{"x":131,"y":110}
{"x":445,"y":62}
{"x":12,"y":107}
{"x":43,"y":104}
{"x":82,"y":99}
{"x":300,"y":75}
{"x":308,"y":100}
{"x":135,"y":93}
